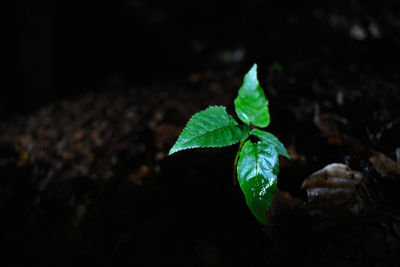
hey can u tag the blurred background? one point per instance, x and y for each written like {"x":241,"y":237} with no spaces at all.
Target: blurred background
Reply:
{"x":58,"y":49}
{"x":96,"y":92}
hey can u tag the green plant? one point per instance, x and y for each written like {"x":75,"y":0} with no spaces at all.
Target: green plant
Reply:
{"x":257,"y":164}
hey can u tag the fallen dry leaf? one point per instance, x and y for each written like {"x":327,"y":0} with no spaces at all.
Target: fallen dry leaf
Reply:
{"x":333,"y":188}
{"x":326,"y":124}
{"x":384,"y":165}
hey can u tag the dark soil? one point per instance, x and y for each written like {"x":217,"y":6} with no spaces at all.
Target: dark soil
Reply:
{"x":84,"y":176}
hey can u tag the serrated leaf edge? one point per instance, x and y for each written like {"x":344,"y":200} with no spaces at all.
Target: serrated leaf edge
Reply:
{"x":172,"y":150}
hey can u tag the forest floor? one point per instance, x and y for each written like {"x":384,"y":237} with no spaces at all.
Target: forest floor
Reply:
{"x":87,"y":179}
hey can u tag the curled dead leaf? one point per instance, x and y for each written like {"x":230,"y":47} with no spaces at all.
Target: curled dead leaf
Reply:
{"x":333,"y":188}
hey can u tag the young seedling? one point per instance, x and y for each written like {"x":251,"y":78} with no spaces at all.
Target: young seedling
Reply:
{"x":257,"y":164}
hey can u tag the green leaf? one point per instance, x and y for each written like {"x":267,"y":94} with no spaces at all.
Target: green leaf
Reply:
{"x":270,"y":139}
{"x":257,"y":171}
{"x":251,"y":105}
{"x":212,"y":127}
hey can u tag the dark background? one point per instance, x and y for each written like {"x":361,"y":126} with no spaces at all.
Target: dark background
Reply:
{"x":55,"y":49}
{"x":96,"y":92}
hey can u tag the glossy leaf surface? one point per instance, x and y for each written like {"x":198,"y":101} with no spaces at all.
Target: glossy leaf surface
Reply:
{"x":251,"y":105}
{"x":257,"y":172}
{"x":270,"y":139}
{"x":212,"y":127}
